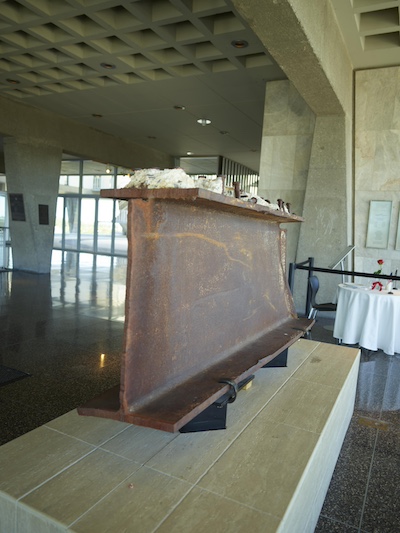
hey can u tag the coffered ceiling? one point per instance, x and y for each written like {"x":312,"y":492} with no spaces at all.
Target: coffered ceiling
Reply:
{"x":371,"y":30}
{"x":147,"y":70}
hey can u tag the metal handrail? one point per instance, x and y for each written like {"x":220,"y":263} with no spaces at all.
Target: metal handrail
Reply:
{"x":308,"y":265}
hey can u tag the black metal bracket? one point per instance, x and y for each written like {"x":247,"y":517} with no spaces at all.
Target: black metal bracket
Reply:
{"x":278,"y":361}
{"x":214,"y":417}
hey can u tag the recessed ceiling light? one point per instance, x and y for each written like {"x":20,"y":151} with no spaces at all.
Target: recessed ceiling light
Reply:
{"x":204,"y":121}
{"x":108,"y":66}
{"x":189,"y":153}
{"x":240,"y":43}
{"x":179,"y":107}
{"x":13,"y":82}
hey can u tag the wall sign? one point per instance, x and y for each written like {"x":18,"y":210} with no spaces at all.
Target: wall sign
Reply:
{"x":17,"y":208}
{"x":44,"y":214}
{"x":380,"y":212}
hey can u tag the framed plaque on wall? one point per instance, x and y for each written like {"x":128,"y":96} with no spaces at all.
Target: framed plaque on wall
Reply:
{"x":397,"y":246}
{"x":380,"y":212}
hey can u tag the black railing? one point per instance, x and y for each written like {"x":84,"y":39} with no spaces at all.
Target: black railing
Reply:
{"x":308,"y":265}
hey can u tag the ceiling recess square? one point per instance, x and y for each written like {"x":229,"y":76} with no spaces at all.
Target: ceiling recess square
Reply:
{"x":223,"y":23}
{"x":81,"y":50}
{"x":52,"y":55}
{"x":118,"y":18}
{"x":137,"y":61}
{"x":51,"y":33}
{"x":56,"y":73}
{"x":384,"y":40}
{"x":146,"y":39}
{"x":168,"y":56}
{"x":379,"y":21}
{"x":80,"y":70}
{"x":163,"y":10}
{"x":83,"y":26}
{"x":28,"y":60}
{"x":22,"y":39}
{"x":49,"y":7}
{"x":15,"y":12}
{"x":112,"y":45}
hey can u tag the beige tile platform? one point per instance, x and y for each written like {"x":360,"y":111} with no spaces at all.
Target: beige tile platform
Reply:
{"x":269,"y":471}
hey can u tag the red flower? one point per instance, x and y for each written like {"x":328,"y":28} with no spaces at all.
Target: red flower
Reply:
{"x":380,"y":261}
{"x":377,"y":284}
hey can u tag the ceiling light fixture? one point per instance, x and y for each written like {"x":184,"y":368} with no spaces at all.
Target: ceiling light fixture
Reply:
{"x":108,"y":169}
{"x":97,"y":115}
{"x":179,"y":107}
{"x":240,"y":43}
{"x":223,"y":132}
{"x":108,"y":66}
{"x":189,"y":153}
{"x":204,"y":121}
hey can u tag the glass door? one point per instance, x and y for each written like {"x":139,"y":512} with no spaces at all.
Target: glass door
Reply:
{"x":4,"y":231}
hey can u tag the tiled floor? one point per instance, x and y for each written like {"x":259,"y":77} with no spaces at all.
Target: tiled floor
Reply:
{"x":66,"y":330}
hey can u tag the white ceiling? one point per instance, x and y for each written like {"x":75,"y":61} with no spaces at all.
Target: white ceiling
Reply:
{"x":54,"y":55}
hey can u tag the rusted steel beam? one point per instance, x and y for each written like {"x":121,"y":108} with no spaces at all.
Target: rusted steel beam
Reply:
{"x":206,"y":300}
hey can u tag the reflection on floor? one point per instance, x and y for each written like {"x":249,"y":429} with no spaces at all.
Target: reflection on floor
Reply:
{"x":66,"y":330}
{"x":364,"y":494}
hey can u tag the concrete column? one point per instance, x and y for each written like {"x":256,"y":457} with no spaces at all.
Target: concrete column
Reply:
{"x":288,"y":130}
{"x":325,"y":232}
{"x":33,"y":170}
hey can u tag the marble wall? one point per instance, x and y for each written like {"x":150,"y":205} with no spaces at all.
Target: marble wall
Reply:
{"x":285,"y":151}
{"x":377,"y":161}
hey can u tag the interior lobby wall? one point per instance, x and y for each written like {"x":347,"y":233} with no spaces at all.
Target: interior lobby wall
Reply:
{"x":324,"y":234}
{"x":377,"y":162}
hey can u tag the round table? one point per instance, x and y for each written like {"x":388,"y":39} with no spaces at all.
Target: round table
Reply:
{"x":369,"y":318}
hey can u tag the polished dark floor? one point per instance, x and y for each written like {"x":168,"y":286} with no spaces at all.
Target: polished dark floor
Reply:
{"x":66,"y":330}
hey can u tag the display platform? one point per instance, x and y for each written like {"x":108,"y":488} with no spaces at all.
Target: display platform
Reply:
{"x":267,"y":472}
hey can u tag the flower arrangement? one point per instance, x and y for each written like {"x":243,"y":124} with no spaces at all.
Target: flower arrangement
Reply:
{"x":380,"y":263}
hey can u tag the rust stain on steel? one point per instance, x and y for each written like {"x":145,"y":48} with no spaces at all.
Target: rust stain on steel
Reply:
{"x":198,"y":309}
{"x":200,"y":236}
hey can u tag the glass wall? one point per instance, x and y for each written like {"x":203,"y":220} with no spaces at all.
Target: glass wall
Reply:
{"x":84,"y":221}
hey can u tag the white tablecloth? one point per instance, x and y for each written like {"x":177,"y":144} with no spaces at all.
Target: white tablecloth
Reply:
{"x":368,"y":318}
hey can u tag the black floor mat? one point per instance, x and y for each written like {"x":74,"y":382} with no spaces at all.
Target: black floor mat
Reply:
{"x":8,"y":375}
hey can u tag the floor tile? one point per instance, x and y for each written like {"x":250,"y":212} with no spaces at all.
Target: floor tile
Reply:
{"x":139,"y":444}
{"x":326,"y":525}
{"x":81,"y":485}
{"x":36,"y":457}
{"x":245,"y":461}
{"x":202,"y":511}
{"x":345,"y":498}
{"x":382,"y":506}
{"x":92,"y":430}
{"x":139,"y":504}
